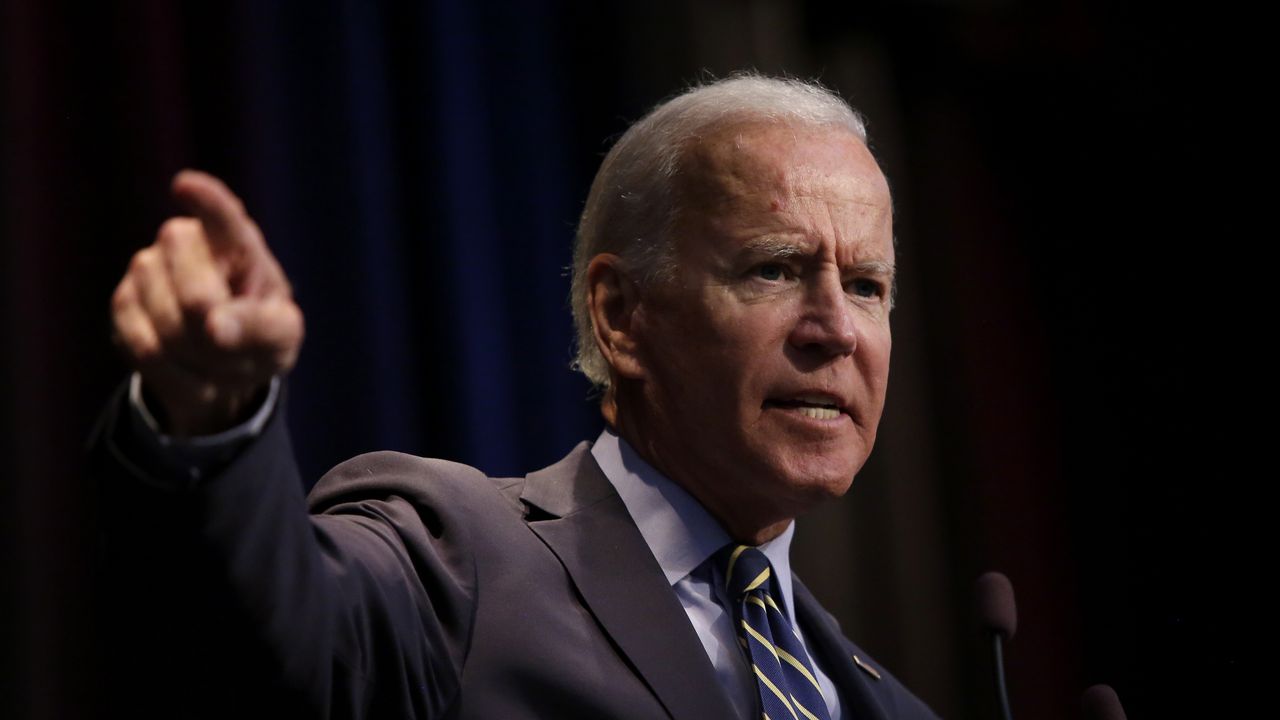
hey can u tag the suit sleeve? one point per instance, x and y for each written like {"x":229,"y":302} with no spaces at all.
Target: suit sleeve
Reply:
{"x":224,"y":596}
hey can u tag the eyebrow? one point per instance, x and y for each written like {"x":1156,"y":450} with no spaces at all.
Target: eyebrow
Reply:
{"x":782,"y":248}
{"x":773,"y":247}
{"x":875,"y":267}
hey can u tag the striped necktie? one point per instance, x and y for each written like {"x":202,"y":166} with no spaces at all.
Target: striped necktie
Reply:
{"x":784,"y":676}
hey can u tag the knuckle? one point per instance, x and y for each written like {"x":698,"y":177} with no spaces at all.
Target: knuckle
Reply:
{"x":175,"y":230}
{"x":144,"y":261}
{"x":194,"y":300}
{"x":287,"y":324}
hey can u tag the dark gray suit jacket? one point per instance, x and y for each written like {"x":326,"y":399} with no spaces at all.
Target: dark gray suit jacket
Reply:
{"x":413,"y":588}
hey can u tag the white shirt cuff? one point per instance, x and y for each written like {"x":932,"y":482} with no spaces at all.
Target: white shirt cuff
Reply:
{"x":199,"y":452}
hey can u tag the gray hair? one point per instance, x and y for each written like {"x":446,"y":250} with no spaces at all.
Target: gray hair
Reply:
{"x":631,"y":207}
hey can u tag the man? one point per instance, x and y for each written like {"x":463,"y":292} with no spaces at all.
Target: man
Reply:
{"x":732,"y":286}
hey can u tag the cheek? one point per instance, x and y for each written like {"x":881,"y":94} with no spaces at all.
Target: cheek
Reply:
{"x":882,"y":352}
{"x":712,"y":354}
{"x":874,"y":369}
{"x":687,"y":363}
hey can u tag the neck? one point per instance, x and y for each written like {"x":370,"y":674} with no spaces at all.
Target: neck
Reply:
{"x":746,"y":522}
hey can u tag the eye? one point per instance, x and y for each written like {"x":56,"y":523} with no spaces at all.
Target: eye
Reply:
{"x":865,"y":287}
{"x":771,"y":272}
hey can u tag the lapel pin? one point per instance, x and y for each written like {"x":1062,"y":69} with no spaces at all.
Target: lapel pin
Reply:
{"x":869,"y":670}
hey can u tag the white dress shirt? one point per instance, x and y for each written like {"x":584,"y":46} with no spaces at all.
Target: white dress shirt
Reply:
{"x":683,"y":537}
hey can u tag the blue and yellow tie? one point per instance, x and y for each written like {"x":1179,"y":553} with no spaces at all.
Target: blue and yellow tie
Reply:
{"x":784,"y":676}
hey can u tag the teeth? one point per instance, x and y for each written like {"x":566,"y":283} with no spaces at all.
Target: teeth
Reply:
{"x":818,"y":407}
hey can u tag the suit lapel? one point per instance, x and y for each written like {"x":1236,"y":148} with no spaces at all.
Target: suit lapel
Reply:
{"x":588,"y":528}
{"x":827,"y":643}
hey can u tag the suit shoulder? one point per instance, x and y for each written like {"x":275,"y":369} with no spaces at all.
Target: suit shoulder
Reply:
{"x":424,"y":482}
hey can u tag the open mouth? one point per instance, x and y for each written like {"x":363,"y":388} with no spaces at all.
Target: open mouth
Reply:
{"x":818,"y":408}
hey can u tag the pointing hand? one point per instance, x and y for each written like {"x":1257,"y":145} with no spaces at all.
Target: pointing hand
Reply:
{"x":205,"y":313}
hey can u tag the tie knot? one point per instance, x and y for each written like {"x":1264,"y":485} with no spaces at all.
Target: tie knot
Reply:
{"x":745,"y":569}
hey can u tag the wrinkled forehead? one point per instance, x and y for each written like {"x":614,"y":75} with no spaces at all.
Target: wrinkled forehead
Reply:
{"x":760,"y":158}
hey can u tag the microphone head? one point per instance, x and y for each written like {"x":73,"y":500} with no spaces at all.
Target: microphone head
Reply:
{"x":996,"y":609}
{"x":1100,"y":702}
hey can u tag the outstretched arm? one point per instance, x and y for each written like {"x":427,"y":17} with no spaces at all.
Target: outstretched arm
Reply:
{"x":223,"y":596}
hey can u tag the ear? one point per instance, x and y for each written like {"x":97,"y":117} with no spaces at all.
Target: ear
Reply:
{"x":613,"y":300}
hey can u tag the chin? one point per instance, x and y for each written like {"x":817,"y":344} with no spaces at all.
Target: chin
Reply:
{"x":810,"y":479}
{"x":830,"y":486}
{"x":818,"y":462}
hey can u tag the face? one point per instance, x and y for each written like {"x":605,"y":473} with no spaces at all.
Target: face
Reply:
{"x":764,"y":361}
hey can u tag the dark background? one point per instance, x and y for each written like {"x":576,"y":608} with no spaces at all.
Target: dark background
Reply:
{"x":1066,"y":396}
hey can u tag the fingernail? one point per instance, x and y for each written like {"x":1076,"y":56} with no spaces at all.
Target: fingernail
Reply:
{"x":226,"y":328}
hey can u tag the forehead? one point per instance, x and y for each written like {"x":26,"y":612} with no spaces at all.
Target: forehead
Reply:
{"x":760,"y":178}
{"x":756,"y":157}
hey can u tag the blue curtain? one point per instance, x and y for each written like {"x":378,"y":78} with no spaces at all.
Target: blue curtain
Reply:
{"x":408,"y":165}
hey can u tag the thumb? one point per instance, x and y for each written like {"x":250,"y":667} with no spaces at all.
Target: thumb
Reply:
{"x":268,"y":330}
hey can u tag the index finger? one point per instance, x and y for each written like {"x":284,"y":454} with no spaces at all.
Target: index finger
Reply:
{"x":218,"y":209}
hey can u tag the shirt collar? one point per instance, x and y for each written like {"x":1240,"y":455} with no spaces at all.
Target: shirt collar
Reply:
{"x":679,"y":531}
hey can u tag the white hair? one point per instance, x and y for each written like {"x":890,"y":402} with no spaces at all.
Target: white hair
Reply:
{"x":632,"y":206}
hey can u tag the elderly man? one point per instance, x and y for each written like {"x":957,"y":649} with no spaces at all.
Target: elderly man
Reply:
{"x":732,"y":287}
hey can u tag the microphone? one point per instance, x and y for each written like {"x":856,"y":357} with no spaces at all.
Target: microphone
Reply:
{"x":1100,"y":702}
{"x":999,"y":617}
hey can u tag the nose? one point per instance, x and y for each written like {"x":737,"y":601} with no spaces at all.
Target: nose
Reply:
{"x":826,"y":324}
